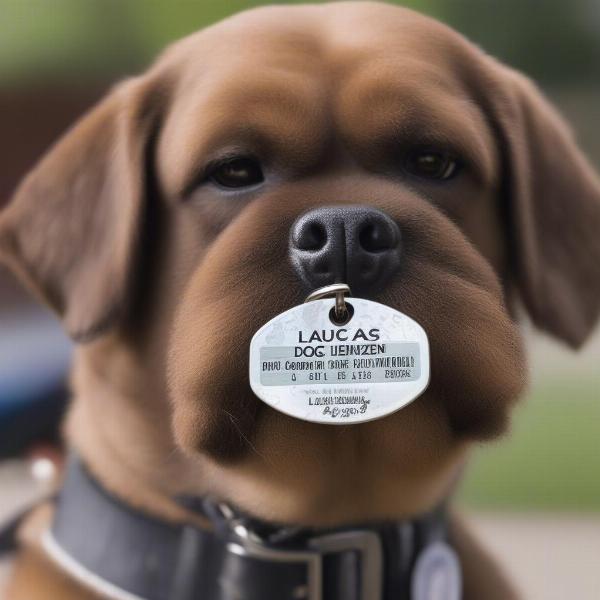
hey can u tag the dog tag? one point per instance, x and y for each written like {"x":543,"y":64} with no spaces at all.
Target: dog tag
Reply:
{"x":304,"y":364}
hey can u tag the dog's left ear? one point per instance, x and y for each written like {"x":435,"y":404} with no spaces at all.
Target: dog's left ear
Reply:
{"x":552,"y":197}
{"x":71,"y":228}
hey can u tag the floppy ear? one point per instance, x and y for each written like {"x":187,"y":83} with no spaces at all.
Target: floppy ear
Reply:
{"x":553,"y":208}
{"x":70,"y":230}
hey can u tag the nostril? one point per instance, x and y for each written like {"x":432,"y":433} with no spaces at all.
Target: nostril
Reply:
{"x":312,"y":236}
{"x":354,"y":244}
{"x":376,"y":237}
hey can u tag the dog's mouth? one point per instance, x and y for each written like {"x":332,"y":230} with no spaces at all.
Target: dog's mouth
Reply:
{"x":408,"y":257}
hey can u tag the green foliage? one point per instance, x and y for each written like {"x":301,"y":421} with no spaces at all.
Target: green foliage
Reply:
{"x":86,"y":39}
{"x":552,"y":458}
{"x":552,"y":40}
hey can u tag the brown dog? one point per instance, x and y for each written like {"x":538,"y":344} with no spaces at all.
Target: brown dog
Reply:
{"x":158,"y":230}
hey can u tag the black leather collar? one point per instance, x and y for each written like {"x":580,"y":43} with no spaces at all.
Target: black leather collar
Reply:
{"x":128,"y":555}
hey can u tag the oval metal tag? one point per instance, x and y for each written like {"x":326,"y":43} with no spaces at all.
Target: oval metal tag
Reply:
{"x":306,"y":366}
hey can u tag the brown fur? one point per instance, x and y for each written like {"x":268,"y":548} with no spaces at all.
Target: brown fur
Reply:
{"x":166,"y":279}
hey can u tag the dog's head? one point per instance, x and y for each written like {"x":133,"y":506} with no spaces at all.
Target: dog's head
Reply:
{"x":201,"y":199}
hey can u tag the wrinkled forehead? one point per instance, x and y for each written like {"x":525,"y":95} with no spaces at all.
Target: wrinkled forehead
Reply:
{"x":286,"y":86}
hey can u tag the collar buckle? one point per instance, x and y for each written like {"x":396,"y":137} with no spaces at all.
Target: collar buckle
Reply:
{"x":366,"y":543}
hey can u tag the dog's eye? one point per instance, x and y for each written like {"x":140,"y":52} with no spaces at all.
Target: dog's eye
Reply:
{"x":237,"y":173}
{"x":431,"y":164}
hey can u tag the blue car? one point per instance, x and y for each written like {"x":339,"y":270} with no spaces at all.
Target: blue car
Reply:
{"x":34,"y":359}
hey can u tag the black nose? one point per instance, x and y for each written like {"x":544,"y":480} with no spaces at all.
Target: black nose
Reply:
{"x":357,"y":245}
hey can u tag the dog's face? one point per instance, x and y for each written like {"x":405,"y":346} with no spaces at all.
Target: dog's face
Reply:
{"x":188,"y":209}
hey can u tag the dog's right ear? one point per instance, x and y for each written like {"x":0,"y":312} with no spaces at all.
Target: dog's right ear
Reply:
{"x":70,"y":230}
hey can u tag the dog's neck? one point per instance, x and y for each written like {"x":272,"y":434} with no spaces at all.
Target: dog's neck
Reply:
{"x":122,"y":433}
{"x":119,"y":423}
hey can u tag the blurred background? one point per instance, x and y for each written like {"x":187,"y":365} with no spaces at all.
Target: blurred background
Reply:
{"x":536,"y":495}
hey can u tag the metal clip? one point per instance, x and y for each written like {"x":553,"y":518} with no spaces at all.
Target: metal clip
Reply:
{"x":339,"y":290}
